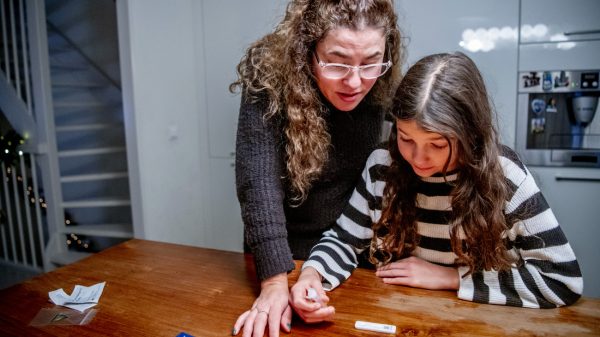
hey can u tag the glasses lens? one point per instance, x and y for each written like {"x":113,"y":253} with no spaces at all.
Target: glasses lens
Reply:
{"x":373,"y":71}
{"x":335,"y":71}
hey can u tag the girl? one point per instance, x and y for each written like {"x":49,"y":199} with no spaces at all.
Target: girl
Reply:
{"x":314,"y":94}
{"x":446,"y":206}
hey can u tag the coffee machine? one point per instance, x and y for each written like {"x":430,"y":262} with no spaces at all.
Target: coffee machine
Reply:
{"x":557,"y":121}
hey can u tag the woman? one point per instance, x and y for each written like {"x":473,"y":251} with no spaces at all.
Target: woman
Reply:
{"x":446,"y":206}
{"x":313,"y":99}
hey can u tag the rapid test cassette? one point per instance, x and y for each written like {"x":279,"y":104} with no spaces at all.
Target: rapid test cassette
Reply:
{"x":376,"y":327}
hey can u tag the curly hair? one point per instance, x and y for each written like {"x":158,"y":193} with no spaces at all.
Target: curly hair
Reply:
{"x":278,"y":66}
{"x":445,"y":94}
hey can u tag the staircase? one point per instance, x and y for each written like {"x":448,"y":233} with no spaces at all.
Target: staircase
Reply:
{"x":91,"y":150}
{"x":70,"y":113}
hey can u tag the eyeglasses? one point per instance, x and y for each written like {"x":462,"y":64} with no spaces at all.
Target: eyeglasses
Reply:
{"x":336,"y":71}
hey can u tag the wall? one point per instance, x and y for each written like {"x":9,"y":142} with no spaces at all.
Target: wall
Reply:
{"x":484,"y":30}
{"x":166,"y":122}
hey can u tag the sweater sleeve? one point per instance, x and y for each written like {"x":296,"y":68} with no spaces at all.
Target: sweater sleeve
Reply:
{"x":258,"y":172}
{"x":547,"y":274}
{"x":335,"y":255}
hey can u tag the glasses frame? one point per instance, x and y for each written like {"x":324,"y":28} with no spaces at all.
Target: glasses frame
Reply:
{"x":350,"y":68}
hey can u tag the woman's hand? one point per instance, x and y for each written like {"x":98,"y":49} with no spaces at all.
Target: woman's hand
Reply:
{"x":270,"y":308}
{"x":418,"y":273}
{"x":310,"y":310}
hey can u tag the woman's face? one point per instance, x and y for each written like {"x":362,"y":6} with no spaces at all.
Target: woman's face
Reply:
{"x":351,"y":47}
{"x":425,"y":151}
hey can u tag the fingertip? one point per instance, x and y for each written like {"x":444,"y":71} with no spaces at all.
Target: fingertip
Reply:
{"x":328,"y":315}
{"x":286,"y":321}
{"x":236,"y":326}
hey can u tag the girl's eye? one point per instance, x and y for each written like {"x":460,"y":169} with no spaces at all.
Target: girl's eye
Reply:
{"x":439,"y":146}
{"x":405,"y":140}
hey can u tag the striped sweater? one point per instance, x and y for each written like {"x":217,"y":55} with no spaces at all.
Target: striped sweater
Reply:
{"x":545,"y":273}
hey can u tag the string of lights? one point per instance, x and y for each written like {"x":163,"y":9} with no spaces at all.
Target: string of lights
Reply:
{"x":9,"y":155}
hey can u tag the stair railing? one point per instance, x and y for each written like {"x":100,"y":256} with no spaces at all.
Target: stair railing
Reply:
{"x":26,"y":102}
{"x":22,"y":233}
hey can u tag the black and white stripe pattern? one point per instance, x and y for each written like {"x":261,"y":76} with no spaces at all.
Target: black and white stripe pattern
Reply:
{"x":545,"y":273}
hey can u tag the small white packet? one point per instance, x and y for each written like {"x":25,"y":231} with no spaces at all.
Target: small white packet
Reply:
{"x":81,"y":299}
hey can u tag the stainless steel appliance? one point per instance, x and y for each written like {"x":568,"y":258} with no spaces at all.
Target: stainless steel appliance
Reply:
{"x":557,"y":118}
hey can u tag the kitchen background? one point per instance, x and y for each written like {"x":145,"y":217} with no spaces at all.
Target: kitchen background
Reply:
{"x":173,"y":62}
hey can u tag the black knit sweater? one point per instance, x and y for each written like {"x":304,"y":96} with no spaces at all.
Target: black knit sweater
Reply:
{"x":275,"y":231}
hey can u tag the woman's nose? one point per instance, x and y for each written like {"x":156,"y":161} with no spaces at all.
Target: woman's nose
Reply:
{"x":353,"y":79}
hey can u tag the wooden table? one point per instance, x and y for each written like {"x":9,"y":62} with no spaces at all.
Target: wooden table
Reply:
{"x":160,"y":289}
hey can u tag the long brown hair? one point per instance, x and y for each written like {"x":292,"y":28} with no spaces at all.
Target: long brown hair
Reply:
{"x":445,"y":94}
{"x":279,"y":67}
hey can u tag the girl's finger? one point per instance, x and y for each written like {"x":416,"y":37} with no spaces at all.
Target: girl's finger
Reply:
{"x":394,"y":265}
{"x":323,"y":314}
{"x":391,"y":273}
{"x":396,"y":280}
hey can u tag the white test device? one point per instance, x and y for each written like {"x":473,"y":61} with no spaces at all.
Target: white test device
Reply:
{"x":376,"y":327}
{"x":312,"y":295}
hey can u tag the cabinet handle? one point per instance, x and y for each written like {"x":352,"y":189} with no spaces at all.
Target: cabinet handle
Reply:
{"x":582,"y":32}
{"x":594,"y":180}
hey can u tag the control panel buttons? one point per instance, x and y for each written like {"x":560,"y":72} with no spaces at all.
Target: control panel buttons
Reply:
{"x":589,"y":80}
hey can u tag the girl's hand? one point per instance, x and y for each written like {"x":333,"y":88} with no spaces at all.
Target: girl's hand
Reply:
{"x":418,"y":273}
{"x":270,"y":308}
{"x":311,"y":311}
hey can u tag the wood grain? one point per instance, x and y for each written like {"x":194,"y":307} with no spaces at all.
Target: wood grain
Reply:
{"x":161,"y":289}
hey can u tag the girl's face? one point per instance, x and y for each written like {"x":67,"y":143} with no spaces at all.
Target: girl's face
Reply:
{"x":425,"y":151}
{"x":350,"y":47}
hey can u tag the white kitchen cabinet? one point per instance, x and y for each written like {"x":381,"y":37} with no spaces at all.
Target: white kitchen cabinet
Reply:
{"x":580,"y":55}
{"x":484,"y":30}
{"x":559,"y":35}
{"x":559,"y":20}
{"x":574,"y":196}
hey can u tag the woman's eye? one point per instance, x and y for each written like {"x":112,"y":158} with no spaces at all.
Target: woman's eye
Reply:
{"x":439,"y":146}
{"x":405,"y":140}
